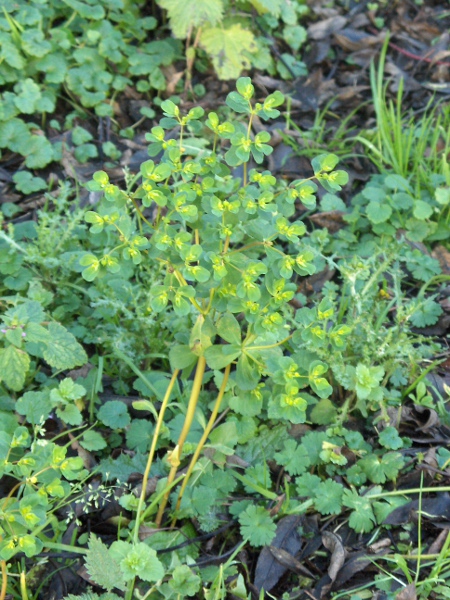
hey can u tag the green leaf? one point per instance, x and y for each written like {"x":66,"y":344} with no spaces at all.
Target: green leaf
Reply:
{"x":14,"y":365}
{"x":324,"y":412}
{"x":294,"y":458}
{"x":139,"y":435}
{"x":390,"y":439}
{"x":318,"y":383}
{"x":324,"y":162}
{"x":397,"y":182}
{"x":184,"y":581}
{"x":224,"y":438}
{"x":102,"y":567}
{"x":34,"y":406}
{"x":228,"y":48}
{"x":63,"y":352}
{"x":182,"y":357}
{"x":380,"y":469}
{"x":362,"y":519}
{"x":27,"y":183}
{"x":38,"y":152}
{"x":328,"y":497}
{"x":378,"y":213}
{"x":307,"y":485}
{"x":367,"y":379}
{"x":27,"y":95}
{"x":245,"y":88}
{"x":219,"y":356}
{"x":247,"y":373}
{"x":257,"y":526}
{"x":187,"y":14}
{"x":88,"y":11}
{"x":114,"y":414}
{"x":237,"y":103}
{"x":426,"y":313}
{"x":422,"y":210}
{"x":442,"y":195}
{"x":137,"y":560}
{"x":93,"y":441}
{"x":14,"y":134}
{"x":69,"y":414}
{"x":229,"y":329}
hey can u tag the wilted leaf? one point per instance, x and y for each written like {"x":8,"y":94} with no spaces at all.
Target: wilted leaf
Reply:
{"x":227,"y":48}
{"x":185,"y":14}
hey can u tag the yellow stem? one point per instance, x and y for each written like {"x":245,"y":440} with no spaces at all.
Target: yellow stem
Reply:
{"x":159,"y":423}
{"x":227,"y":243}
{"x":204,"y":437}
{"x":139,"y":212}
{"x":4,"y":580}
{"x":286,"y":339}
{"x":23,"y":586}
{"x":196,"y":387}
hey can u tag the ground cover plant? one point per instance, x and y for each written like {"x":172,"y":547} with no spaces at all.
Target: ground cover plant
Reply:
{"x":220,"y":377}
{"x":89,"y":53}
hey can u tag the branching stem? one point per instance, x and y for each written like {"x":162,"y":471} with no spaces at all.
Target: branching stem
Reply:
{"x":209,"y":426}
{"x":175,"y":455}
{"x":148,"y":467}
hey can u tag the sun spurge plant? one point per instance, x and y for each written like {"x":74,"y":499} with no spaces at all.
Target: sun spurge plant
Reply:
{"x":228,"y":251}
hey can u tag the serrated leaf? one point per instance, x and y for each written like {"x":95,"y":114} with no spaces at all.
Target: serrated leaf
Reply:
{"x":14,"y":365}
{"x":380,"y":469}
{"x":87,"y":10}
{"x":102,"y":567}
{"x":34,"y":406}
{"x":63,"y":352}
{"x":294,"y":458}
{"x":442,"y":195}
{"x":114,"y":414}
{"x":427,"y":313}
{"x":69,"y":414}
{"x":38,"y":152}
{"x":186,"y":14}
{"x":140,"y":435}
{"x":328,"y":497}
{"x":27,"y":183}
{"x":422,"y":210}
{"x":362,"y":518}
{"x":257,"y":526}
{"x":227,"y":48}
{"x":137,"y":560}
{"x":390,"y":439}
{"x":377,"y":212}
{"x":184,"y":582}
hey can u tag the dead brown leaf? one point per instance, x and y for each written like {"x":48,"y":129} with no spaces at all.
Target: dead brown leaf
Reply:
{"x":332,"y":220}
{"x":436,"y":546}
{"x":325,"y":28}
{"x":353,"y":40}
{"x":333,"y":543}
{"x":408,"y":593}
{"x":443,"y":256}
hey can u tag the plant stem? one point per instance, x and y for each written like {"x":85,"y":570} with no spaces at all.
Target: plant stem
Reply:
{"x":151,"y":454}
{"x":175,"y":455}
{"x":4,"y":579}
{"x":204,"y":437}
